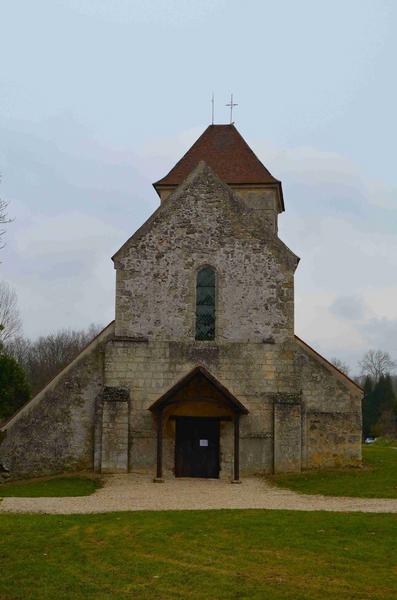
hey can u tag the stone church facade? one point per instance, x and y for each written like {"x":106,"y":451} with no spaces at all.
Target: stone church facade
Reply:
{"x":200,"y":374}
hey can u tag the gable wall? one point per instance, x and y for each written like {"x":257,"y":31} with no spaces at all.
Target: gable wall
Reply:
{"x":205,"y":224}
{"x":263,"y":200}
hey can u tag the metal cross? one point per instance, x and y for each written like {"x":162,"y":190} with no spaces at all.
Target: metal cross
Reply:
{"x":213,"y":107}
{"x":231,"y":104}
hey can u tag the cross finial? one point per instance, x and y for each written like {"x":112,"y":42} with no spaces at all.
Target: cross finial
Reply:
{"x":232,"y":105}
{"x":213,"y":107}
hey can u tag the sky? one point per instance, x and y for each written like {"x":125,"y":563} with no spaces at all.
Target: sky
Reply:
{"x":100,"y":98}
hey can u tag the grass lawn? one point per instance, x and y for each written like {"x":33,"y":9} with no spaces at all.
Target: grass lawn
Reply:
{"x":377,"y":478}
{"x":199,"y":555}
{"x":59,"y":486}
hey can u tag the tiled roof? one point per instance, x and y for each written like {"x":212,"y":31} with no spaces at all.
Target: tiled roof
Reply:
{"x":227,"y":153}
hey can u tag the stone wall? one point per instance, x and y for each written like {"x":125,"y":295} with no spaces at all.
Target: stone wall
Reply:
{"x":75,"y":418}
{"x":202,"y":223}
{"x":253,"y":373}
{"x":55,"y":431}
{"x":302,"y":412}
{"x":263,"y":199}
{"x":114,"y":430}
{"x":332,"y":413}
{"x":287,"y":433}
{"x":263,"y":377}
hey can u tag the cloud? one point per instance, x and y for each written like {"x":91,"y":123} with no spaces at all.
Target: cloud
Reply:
{"x":74,"y":202}
{"x":327,"y":181}
{"x":381,"y":333}
{"x":64,"y":274}
{"x":158,"y":155}
{"x":77,"y":200}
{"x":70,"y":236}
{"x":342,"y":225}
{"x":348,"y":307}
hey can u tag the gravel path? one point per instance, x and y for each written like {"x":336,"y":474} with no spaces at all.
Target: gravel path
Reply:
{"x":138,"y":492}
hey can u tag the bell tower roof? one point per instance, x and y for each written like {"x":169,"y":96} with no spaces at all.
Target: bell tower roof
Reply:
{"x":224,"y":149}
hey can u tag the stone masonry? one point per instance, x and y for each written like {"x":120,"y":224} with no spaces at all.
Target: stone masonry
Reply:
{"x":302,"y":412}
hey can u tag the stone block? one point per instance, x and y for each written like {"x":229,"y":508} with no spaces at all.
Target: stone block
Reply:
{"x":115,"y":430}
{"x":287,"y":437}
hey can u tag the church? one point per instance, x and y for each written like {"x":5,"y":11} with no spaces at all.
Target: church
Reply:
{"x":200,"y":374}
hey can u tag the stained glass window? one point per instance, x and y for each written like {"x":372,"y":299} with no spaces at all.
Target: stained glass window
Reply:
{"x":205,"y":304}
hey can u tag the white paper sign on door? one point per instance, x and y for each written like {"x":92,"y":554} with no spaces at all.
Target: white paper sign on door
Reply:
{"x":203,"y":442}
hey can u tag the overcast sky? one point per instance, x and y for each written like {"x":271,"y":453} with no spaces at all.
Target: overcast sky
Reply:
{"x":99,"y":98}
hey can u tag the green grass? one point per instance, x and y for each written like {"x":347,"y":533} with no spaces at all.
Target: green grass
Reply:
{"x":59,"y":486}
{"x":199,"y":555}
{"x":376,"y":479}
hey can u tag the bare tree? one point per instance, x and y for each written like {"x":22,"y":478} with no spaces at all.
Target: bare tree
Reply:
{"x":3,"y":220}
{"x":19,"y":348}
{"x":342,"y":366}
{"x":10,"y":321}
{"x":44,"y":357}
{"x":376,"y":363}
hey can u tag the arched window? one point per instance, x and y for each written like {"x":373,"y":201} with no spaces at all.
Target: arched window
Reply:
{"x":205,"y":304}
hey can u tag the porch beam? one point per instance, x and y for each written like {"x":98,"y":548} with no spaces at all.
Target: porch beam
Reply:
{"x":159,"y":468}
{"x":236,"y":478}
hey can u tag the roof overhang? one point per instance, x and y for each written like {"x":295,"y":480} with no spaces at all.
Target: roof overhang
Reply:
{"x":169,"y":397}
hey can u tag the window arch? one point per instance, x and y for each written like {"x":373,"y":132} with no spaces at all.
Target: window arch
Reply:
{"x":205,"y":304}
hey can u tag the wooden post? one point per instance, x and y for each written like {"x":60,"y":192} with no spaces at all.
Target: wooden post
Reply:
{"x":236,"y":478}
{"x":159,"y":469}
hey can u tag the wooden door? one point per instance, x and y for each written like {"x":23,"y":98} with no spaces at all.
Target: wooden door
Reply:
{"x":197,"y":447}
